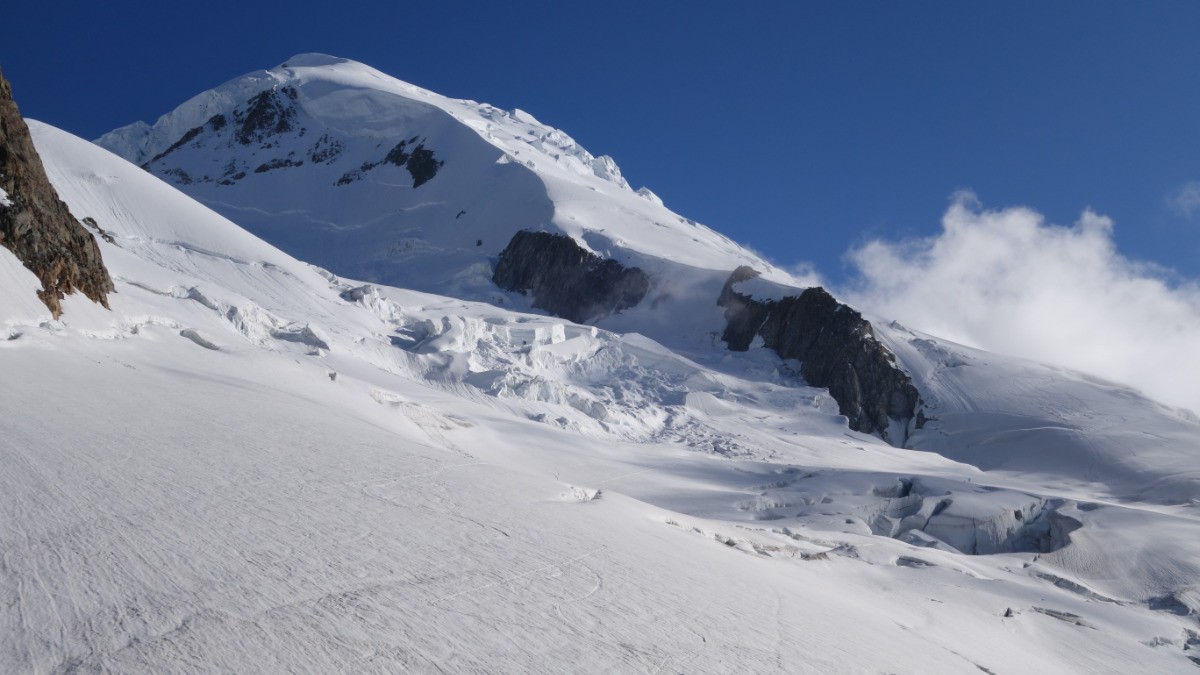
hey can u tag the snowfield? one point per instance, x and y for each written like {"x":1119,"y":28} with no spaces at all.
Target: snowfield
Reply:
{"x":252,"y":464}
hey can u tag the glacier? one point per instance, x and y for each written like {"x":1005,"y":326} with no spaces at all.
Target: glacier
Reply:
{"x":255,"y":463}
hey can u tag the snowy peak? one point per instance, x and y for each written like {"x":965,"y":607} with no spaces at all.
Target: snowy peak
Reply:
{"x":313,"y":60}
{"x":378,"y":179}
{"x":353,"y":99}
{"x":258,"y":114}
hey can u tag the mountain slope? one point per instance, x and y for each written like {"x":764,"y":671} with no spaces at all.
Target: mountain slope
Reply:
{"x":1068,"y":428}
{"x":258,"y":465}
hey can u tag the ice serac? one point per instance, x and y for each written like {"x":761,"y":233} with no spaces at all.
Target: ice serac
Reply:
{"x":836,"y":347}
{"x":566,"y":279}
{"x":36,"y":225}
{"x":975,"y":523}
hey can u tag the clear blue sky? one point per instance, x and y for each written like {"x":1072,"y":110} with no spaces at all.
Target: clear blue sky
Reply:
{"x":798,"y":128}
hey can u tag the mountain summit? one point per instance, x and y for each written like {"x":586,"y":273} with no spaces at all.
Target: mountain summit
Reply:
{"x":374,"y":178}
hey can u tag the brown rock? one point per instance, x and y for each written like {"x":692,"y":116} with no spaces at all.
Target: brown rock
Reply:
{"x":38,"y":227}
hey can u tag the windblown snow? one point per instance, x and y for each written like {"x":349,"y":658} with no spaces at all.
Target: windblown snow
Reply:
{"x":254,"y":464}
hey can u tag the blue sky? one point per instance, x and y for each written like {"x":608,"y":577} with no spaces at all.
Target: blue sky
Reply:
{"x":801,"y":129}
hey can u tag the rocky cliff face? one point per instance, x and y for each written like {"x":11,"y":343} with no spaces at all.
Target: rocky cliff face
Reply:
{"x":567,"y":280}
{"x":836,"y":347}
{"x":36,"y":225}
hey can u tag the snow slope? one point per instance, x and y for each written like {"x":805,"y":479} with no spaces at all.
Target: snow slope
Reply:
{"x":1003,"y":413}
{"x":252,"y":464}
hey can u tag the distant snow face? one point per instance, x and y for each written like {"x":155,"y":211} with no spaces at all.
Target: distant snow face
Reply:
{"x":4,"y":200}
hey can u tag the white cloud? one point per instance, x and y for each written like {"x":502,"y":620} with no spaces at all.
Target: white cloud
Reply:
{"x":804,"y":274}
{"x":1186,"y":200}
{"x":1006,"y":281}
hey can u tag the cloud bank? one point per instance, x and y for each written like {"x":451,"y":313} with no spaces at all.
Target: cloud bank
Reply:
{"x":1007,"y":281}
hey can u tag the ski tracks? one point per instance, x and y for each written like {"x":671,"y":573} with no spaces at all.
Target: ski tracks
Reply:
{"x":515,"y":577}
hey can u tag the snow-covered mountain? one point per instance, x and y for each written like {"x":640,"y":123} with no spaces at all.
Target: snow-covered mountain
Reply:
{"x":361,"y":173}
{"x":251,"y":463}
{"x":376,"y":179}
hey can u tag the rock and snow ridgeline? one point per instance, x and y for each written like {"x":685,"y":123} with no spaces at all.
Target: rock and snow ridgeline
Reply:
{"x":36,"y":225}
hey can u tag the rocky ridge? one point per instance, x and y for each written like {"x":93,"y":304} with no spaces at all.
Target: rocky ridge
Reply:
{"x":836,"y":347}
{"x":36,"y":225}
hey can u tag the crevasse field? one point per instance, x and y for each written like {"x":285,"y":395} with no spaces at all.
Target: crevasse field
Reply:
{"x":252,"y":464}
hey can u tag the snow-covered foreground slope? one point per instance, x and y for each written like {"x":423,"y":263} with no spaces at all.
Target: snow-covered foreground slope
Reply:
{"x":250,"y":464}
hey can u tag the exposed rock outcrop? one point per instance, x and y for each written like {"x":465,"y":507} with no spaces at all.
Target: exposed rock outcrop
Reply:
{"x":36,"y":225}
{"x":743,"y":315}
{"x":266,"y":114}
{"x":410,"y":154}
{"x":836,"y":347}
{"x":567,"y":280}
